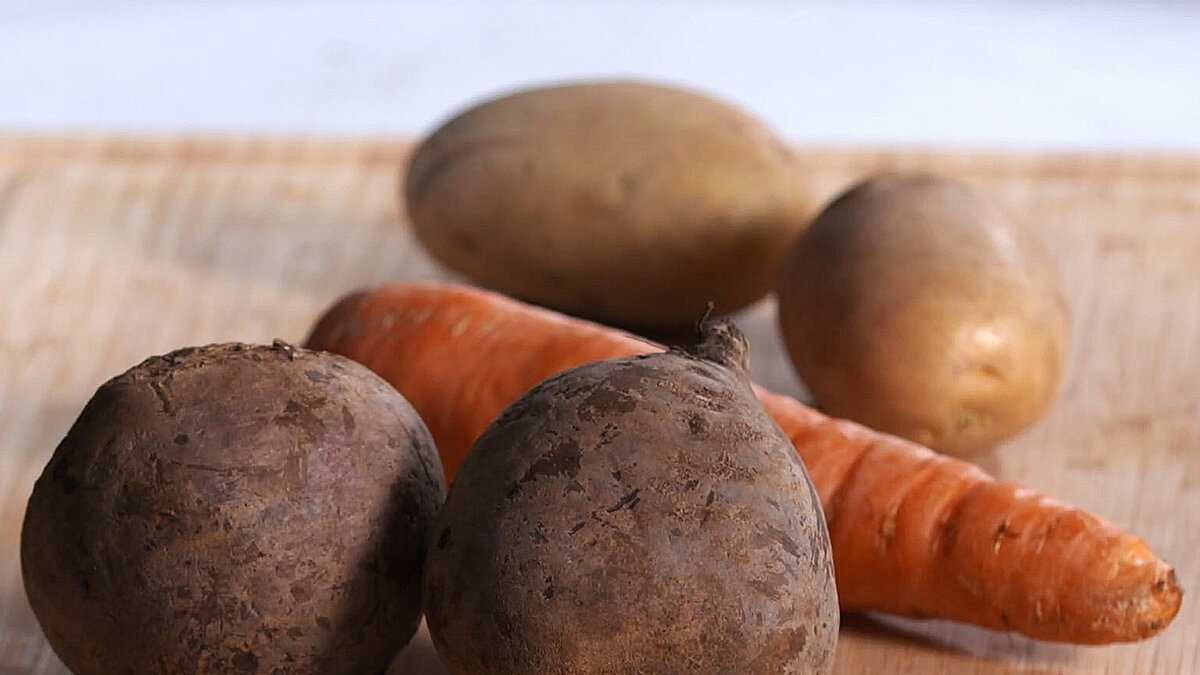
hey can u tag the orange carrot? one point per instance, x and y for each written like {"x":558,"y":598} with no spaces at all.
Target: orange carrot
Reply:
{"x":914,"y":533}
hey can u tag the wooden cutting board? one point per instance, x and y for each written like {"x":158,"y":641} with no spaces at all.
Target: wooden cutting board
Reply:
{"x":113,"y":249}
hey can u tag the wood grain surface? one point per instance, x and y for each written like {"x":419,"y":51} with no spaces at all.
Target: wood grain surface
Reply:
{"x":113,"y":249}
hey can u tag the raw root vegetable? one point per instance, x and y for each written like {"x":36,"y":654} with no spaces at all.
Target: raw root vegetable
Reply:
{"x":234,"y":508}
{"x":626,"y":202}
{"x":628,"y":516}
{"x":957,"y":352}
{"x":914,"y":533}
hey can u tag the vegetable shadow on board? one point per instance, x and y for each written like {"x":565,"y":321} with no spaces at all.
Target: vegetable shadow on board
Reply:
{"x":966,"y":640}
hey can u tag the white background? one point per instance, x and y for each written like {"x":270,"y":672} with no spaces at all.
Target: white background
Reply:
{"x":1096,"y":75}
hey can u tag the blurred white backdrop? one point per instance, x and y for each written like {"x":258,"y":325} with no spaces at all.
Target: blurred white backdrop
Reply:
{"x":1101,"y":74}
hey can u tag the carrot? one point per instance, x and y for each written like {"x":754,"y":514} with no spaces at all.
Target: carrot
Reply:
{"x":914,"y":533}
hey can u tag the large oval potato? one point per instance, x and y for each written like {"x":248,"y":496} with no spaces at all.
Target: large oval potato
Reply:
{"x":916,"y":307}
{"x":234,"y":509}
{"x":629,"y":203}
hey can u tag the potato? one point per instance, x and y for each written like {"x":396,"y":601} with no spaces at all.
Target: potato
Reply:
{"x":914,"y":306}
{"x":234,"y":509}
{"x":638,"y":515}
{"x":629,"y":203}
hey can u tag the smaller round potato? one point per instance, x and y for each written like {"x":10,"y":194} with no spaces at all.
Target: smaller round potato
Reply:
{"x":915,"y":307}
{"x":234,"y":509}
{"x":628,"y":203}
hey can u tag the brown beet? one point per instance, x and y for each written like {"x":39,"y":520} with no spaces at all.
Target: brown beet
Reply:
{"x":234,"y":509}
{"x":635,"y":515}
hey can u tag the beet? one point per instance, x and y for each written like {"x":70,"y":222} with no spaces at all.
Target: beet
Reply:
{"x":641,"y":514}
{"x":234,"y":509}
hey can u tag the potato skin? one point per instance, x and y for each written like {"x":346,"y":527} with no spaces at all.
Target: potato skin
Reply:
{"x":629,"y":203}
{"x":914,"y":306}
{"x":234,"y":509}
{"x":640,"y":515}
